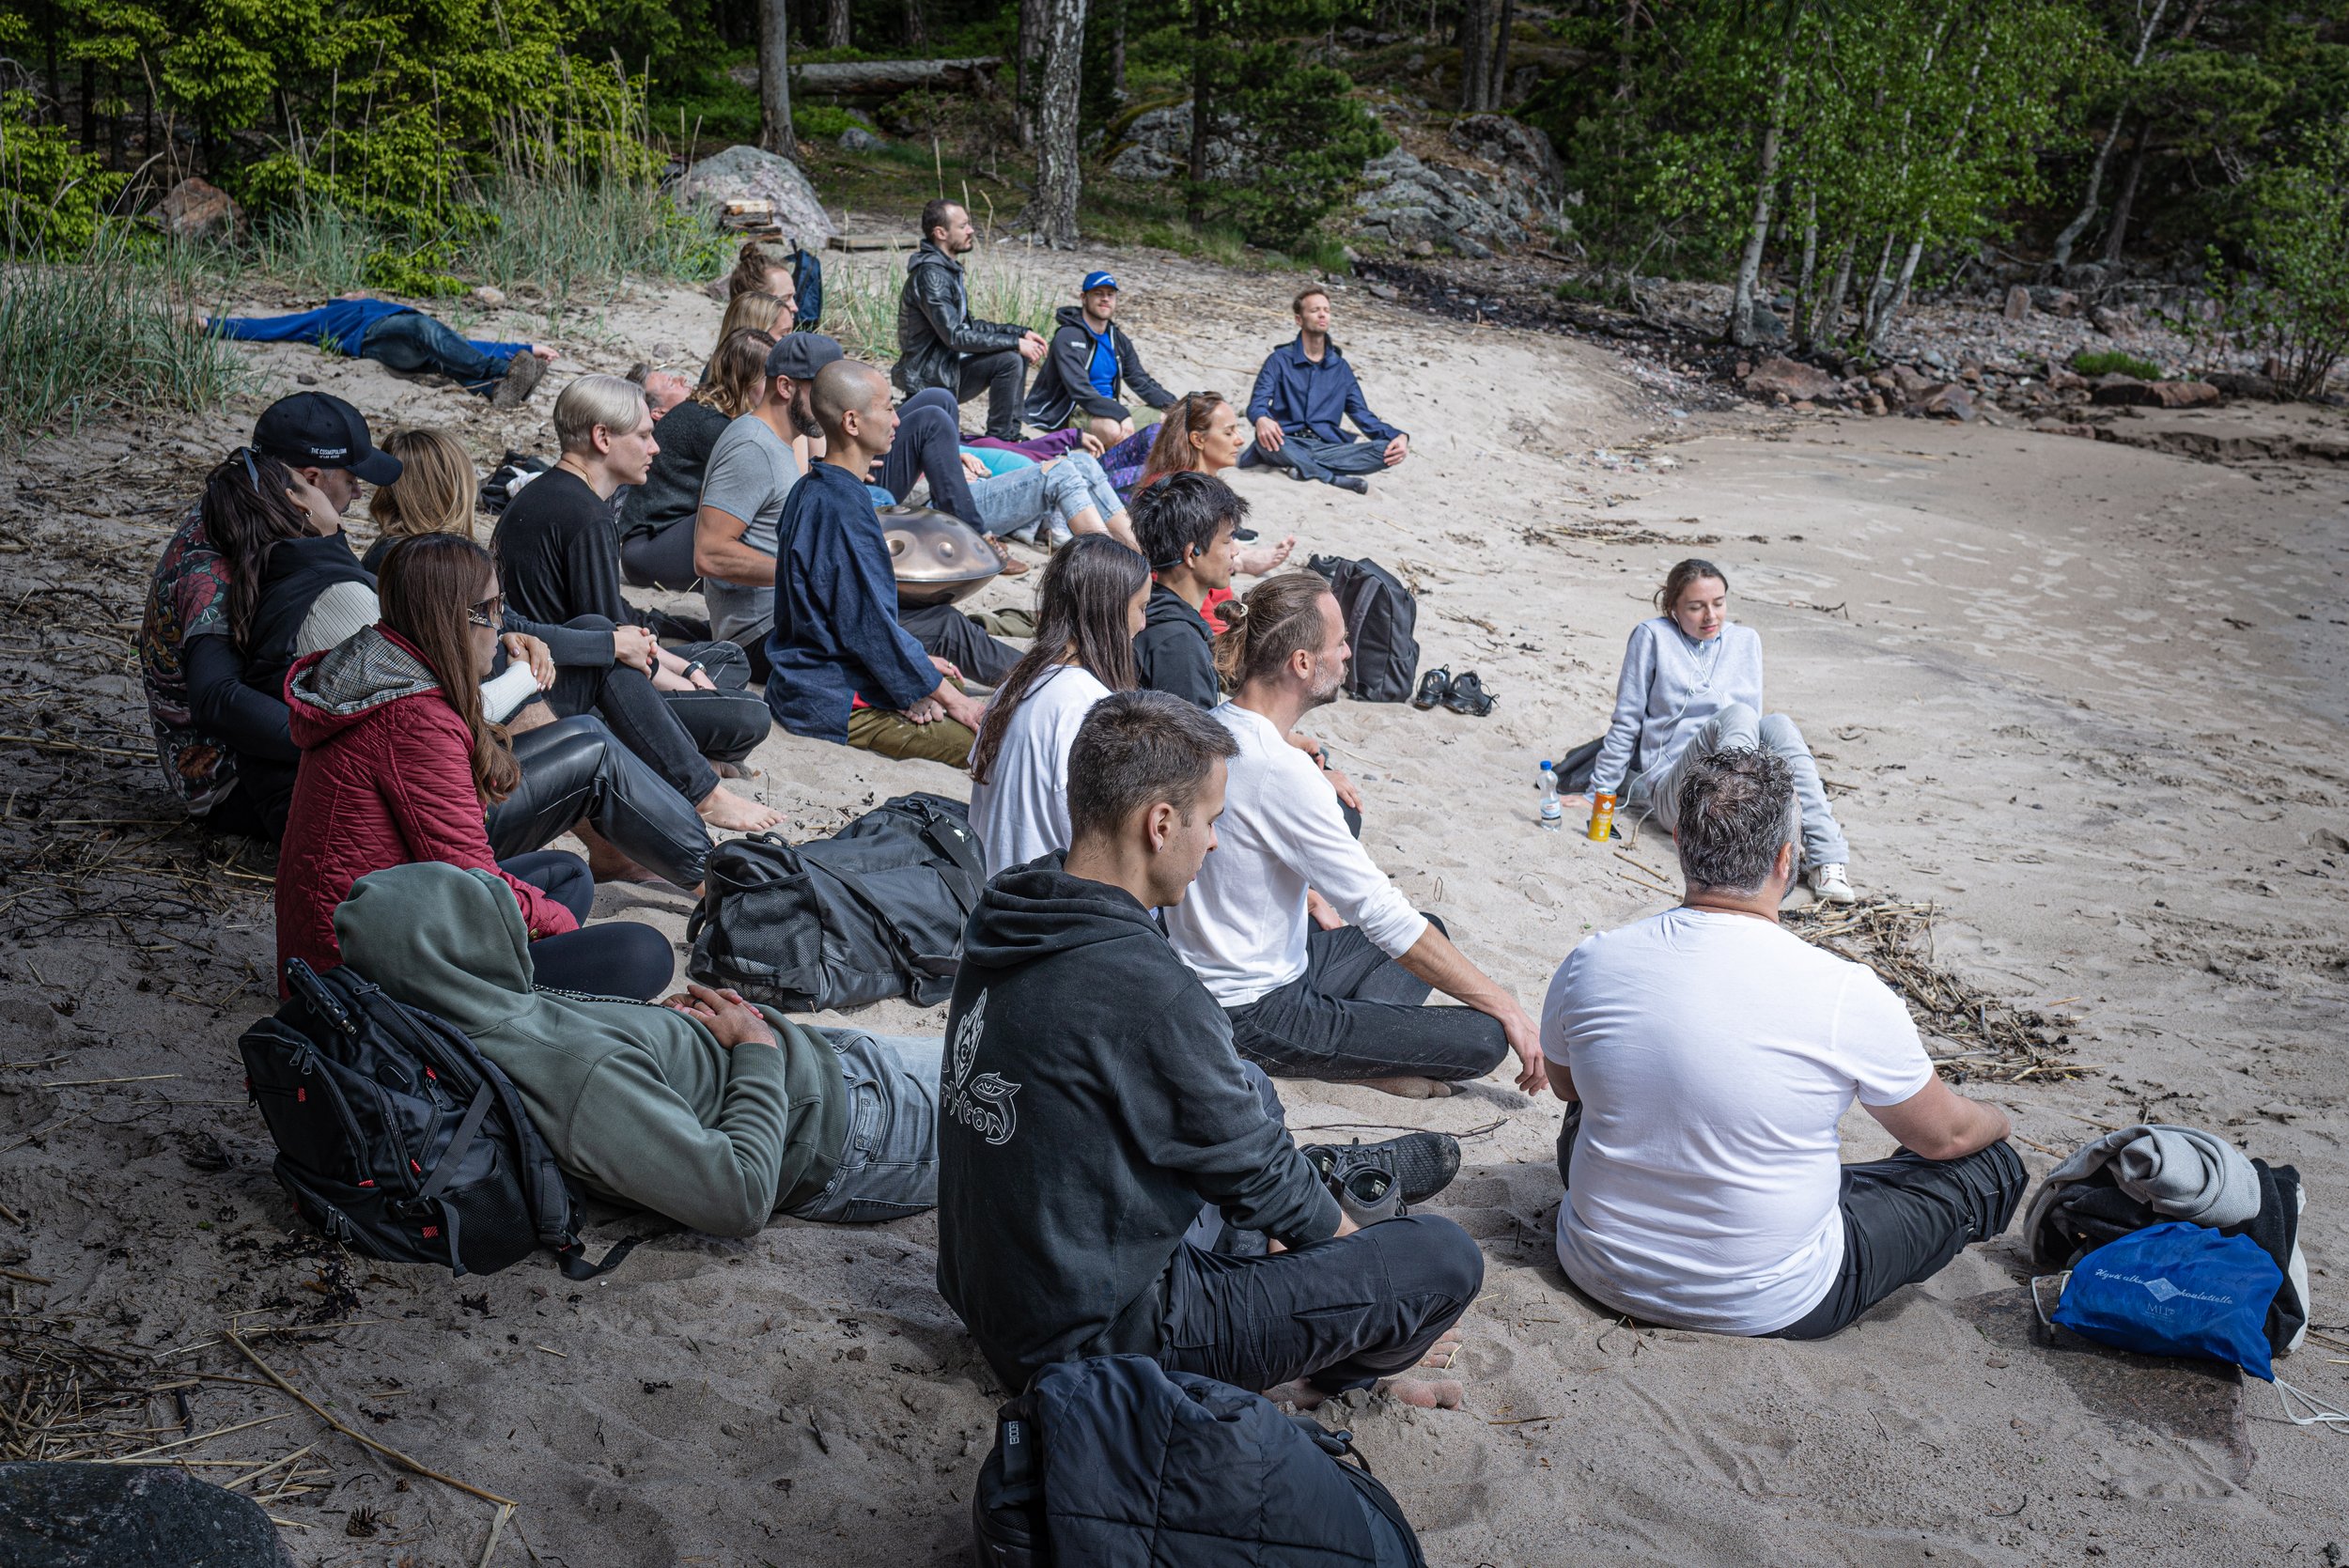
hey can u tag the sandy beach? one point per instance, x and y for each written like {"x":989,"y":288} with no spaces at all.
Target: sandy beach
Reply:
{"x":2088,"y":698}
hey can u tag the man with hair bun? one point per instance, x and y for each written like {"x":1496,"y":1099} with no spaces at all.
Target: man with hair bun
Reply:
{"x":1707,"y":1055}
{"x":1320,"y":963}
{"x":843,"y":669}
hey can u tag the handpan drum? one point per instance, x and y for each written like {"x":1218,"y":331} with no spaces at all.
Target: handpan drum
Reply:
{"x":939,"y":558}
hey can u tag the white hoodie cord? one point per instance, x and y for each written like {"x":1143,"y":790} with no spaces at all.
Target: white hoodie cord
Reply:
{"x":2320,"y":1413}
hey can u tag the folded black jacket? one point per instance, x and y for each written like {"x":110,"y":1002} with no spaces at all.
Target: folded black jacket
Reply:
{"x":1091,"y":1104}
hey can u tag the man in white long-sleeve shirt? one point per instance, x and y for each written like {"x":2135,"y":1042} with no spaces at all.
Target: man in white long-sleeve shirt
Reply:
{"x":1338,"y":995}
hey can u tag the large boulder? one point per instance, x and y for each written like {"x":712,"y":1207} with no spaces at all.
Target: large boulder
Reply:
{"x":129,"y":1516}
{"x":749,"y":173}
{"x":1156,"y":145}
{"x":2128,"y":392}
{"x":1524,"y":157}
{"x":197,"y":209}
{"x":1799,"y":382}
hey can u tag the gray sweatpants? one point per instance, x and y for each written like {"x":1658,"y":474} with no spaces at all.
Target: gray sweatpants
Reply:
{"x":1736,"y":728}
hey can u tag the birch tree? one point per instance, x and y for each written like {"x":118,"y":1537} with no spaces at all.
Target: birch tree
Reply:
{"x":1059,"y":164}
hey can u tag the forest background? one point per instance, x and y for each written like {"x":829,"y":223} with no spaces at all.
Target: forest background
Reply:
{"x":1847,"y":153}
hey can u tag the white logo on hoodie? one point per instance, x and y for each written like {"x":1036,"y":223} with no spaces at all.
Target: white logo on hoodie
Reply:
{"x":983,"y":1104}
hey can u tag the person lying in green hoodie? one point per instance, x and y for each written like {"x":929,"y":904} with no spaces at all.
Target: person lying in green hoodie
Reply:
{"x":704,"y":1109}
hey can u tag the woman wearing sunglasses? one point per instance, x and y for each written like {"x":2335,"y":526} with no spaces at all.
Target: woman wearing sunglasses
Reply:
{"x":400,"y":764}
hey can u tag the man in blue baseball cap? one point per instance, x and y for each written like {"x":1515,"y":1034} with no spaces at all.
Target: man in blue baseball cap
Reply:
{"x":1078,"y":383}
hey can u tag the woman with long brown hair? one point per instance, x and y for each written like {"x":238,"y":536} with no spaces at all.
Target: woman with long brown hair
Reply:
{"x":1090,"y":610}
{"x":399,"y":763}
{"x":1203,"y":433}
{"x":655,"y":551}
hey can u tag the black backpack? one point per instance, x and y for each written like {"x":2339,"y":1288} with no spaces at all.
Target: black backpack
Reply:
{"x":1379,"y":614}
{"x":1115,"y":1459}
{"x":394,"y":1135}
{"x":874,"y":911}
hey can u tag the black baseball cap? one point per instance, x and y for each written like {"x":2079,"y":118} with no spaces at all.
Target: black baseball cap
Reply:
{"x":800,"y":355}
{"x":317,"y":429}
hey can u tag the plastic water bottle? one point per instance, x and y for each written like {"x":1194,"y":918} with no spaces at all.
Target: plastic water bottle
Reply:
{"x":1552,"y":818}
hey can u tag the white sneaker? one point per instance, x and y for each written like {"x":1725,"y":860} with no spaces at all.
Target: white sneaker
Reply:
{"x":1831,"y":885}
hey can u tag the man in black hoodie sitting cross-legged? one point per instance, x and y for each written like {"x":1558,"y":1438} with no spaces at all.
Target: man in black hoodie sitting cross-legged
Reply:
{"x":1092,"y":1103}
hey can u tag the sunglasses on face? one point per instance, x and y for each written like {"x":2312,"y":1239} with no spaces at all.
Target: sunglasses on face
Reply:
{"x":490,"y":613}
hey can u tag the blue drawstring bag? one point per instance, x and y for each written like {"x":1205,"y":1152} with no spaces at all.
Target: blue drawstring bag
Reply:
{"x":2176,"y":1289}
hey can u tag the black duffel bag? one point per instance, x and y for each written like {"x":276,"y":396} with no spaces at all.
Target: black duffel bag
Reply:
{"x":1116,"y":1460}
{"x":872,"y":912}
{"x":1381,"y":615}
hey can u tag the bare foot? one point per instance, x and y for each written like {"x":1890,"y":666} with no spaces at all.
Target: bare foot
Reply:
{"x":1408,"y":1088}
{"x":723,"y":808}
{"x":1427,"y":1393}
{"x":1444,"y":1352}
{"x":1266,"y":560}
{"x":733,"y":769}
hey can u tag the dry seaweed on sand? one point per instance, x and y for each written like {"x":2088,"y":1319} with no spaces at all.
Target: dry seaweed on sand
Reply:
{"x":1994,"y":1040}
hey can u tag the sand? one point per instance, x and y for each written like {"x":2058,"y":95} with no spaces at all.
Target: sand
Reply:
{"x":2088,"y":697}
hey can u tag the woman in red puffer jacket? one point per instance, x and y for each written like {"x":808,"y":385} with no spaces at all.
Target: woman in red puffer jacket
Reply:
{"x":397,"y":764}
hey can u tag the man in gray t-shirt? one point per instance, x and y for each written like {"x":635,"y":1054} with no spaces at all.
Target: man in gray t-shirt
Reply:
{"x":751,"y":470}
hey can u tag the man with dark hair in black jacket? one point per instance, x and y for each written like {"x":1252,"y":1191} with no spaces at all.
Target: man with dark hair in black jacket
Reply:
{"x":1092,"y":1103}
{"x":1187,"y":525}
{"x":940,"y":344}
{"x":1082,"y":375}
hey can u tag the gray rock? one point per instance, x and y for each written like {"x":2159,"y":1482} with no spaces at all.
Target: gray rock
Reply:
{"x":1524,"y":156}
{"x":1768,"y":327}
{"x":1156,"y":145}
{"x":1780,"y":377}
{"x":749,"y":173}
{"x":857,"y":139}
{"x":489,"y":298}
{"x":2017,"y":302}
{"x":129,"y":1516}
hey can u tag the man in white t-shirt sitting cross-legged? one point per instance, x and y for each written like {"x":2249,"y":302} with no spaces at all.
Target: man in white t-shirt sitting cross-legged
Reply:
{"x":1713,"y":1053}
{"x":1321,"y":963}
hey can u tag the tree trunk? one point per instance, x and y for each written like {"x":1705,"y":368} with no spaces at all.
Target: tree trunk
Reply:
{"x":1024,"y":81}
{"x":917,"y":35}
{"x":1900,"y":295}
{"x":1827,"y":317}
{"x":838,"y":18}
{"x":1059,"y":167}
{"x":774,"y":79}
{"x":2080,"y":220}
{"x":1623,"y":72}
{"x":2120,"y":235}
{"x":1810,"y":273}
{"x":1202,"y":108}
{"x":1766,"y":189}
{"x":1497,"y":79}
{"x":1117,"y":51}
{"x":1475,"y":40}
{"x":90,"y":106}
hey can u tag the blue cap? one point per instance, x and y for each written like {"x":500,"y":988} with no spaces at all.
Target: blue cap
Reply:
{"x":1097,"y":280}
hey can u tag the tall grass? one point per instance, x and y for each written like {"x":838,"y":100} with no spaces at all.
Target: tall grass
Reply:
{"x":112,"y":331}
{"x":860,"y":299}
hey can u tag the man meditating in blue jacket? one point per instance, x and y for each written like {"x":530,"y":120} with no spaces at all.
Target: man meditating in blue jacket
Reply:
{"x":402,"y":338}
{"x":1305,"y":394}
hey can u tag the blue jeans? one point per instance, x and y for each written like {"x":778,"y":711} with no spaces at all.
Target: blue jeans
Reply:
{"x":415,"y":342}
{"x":889,"y":1164}
{"x":1027,"y":498}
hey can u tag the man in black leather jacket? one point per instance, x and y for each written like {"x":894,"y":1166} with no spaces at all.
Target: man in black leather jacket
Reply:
{"x":940,"y":344}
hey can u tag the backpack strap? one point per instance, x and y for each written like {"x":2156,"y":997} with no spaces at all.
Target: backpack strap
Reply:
{"x":573,"y":1258}
{"x":445,"y":1168}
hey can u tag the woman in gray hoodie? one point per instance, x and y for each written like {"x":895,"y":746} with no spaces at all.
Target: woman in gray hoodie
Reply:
{"x":1692,"y":684}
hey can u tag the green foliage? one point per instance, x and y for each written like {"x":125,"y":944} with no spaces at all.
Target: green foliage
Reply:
{"x":2113,"y":362}
{"x":811,"y":120}
{"x":2290,"y":300}
{"x":1304,"y":139}
{"x":107,"y":333}
{"x":51,"y":194}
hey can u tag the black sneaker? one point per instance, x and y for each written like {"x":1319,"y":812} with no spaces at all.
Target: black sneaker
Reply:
{"x":1434,"y":686}
{"x":1424,"y":1162}
{"x":1245,"y":535}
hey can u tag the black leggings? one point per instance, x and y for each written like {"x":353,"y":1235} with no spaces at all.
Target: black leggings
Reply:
{"x":620,"y":959}
{"x":576,"y":768}
{"x":663,"y":560}
{"x":672,"y":730}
